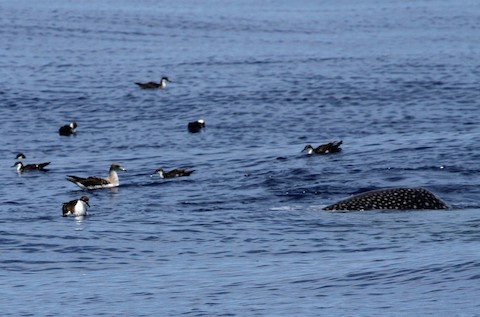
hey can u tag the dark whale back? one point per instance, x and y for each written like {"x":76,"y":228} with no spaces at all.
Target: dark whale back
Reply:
{"x":391,"y":198}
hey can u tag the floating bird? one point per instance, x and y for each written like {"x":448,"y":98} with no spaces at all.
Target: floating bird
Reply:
{"x":30,"y":167}
{"x":196,"y":126}
{"x":154,"y":85}
{"x":178,"y":172}
{"x":332,"y":147}
{"x":68,"y":129}
{"x":391,"y":198}
{"x":94,"y":182}
{"x":20,"y":156}
{"x":76,"y":207}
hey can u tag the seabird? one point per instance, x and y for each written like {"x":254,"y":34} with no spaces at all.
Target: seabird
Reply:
{"x":30,"y":167}
{"x":402,"y":198}
{"x":20,"y":156}
{"x":178,"y":172}
{"x":154,"y":85}
{"x":76,"y":207}
{"x":332,"y":147}
{"x":196,"y":126}
{"x":68,"y":129}
{"x":94,"y":182}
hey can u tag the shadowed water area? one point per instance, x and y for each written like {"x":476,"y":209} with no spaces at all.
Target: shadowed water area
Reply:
{"x":245,"y":234}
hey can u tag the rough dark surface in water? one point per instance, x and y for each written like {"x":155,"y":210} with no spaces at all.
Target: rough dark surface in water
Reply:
{"x":403,"y":198}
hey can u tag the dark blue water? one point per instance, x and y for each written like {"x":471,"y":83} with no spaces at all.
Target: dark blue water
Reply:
{"x":244,"y":235}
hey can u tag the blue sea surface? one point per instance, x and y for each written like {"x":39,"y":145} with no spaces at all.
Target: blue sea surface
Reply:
{"x":245,"y":234}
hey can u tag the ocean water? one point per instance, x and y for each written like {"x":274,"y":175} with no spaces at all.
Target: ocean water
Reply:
{"x":245,"y":234}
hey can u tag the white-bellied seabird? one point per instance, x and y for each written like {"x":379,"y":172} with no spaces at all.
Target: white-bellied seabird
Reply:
{"x":76,"y":207}
{"x":332,"y":147}
{"x":196,"y":126}
{"x":178,"y":172}
{"x":20,"y":156}
{"x":94,"y":182}
{"x":153,"y":85}
{"x":68,"y":129}
{"x":30,"y":167}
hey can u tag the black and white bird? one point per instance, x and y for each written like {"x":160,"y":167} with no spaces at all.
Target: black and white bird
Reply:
{"x":153,"y":85}
{"x":332,"y":147}
{"x":20,"y":156}
{"x":196,"y":126}
{"x":178,"y":172}
{"x":76,"y":207}
{"x":30,"y":167}
{"x":68,"y":129}
{"x":94,"y":182}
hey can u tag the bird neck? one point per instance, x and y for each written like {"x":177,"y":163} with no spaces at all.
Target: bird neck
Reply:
{"x":113,"y":177}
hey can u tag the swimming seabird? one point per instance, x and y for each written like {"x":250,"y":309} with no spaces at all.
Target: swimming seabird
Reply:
{"x":332,"y":147}
{"x":68,"y":129}
{"x":76,"y":207}
{"x":20,"y":156}
{"x":154,"y":85}
{"x":178,"y":172}
{"x":196,"y":126}
{"x":94,"y":182}
{"x":30,"y":167}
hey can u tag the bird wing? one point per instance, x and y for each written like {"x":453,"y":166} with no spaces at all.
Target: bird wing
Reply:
{"x":148,"y":85}
{"x":89,"y":181}
{"x":187,"y":173}
{"x":42,"y":165}
{"x":180,"y":172}
{"x":35,"y":166}
{"x":336,"y":146}
{"x":329,"y":147}
{"x":322,"y":148}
